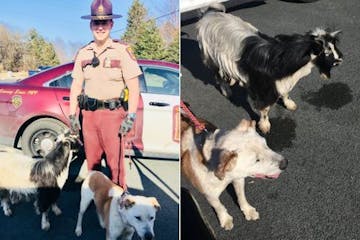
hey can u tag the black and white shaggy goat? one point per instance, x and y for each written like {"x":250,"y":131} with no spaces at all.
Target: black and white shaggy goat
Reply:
{"x":269,"y":67}
{"x":21,"y":175}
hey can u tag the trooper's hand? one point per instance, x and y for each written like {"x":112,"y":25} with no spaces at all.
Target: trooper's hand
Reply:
{"x":127,"y":124}
{"x":74,"y":124}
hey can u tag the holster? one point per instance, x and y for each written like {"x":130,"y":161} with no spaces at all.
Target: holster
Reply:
{"x":82,"y":100}
{"x":124,"y":98}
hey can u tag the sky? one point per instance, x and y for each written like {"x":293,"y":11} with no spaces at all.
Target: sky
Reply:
{"x":59,"y":21}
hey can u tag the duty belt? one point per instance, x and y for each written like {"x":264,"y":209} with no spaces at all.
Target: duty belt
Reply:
{"x":93,"y":104}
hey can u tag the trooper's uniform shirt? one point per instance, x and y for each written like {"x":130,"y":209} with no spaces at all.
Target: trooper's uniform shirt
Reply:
{"x":116,"y":65}
{"x":105,"y":81}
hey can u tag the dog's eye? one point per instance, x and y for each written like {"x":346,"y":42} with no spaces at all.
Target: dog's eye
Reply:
{"x":257,"y":160}
{"x":138,"y":218}
{"x":151,"y":218}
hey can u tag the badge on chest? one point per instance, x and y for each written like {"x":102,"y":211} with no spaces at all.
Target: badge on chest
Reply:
{"x":111,"y":63}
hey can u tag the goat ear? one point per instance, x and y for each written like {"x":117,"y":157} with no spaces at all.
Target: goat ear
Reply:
{"x":227,"y":162}
{"x":335,"y":33}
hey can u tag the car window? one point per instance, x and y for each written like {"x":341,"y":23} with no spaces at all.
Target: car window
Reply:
{"x":161,"y":80}
{"x":142,"y":83}
{"x":63,"y":82}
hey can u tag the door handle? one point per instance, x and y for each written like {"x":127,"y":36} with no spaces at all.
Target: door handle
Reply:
{"x":66,"y":98}
{"x":159,"y":104}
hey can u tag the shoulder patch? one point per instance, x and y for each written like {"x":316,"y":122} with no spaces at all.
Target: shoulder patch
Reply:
{"x":83,"y":47}
{"x":119,"y":41}
{"x":131,"y":53}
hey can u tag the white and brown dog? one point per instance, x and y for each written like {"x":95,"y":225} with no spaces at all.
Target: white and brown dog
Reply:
{"x":121,"y":214}
{"x":213,"y":159}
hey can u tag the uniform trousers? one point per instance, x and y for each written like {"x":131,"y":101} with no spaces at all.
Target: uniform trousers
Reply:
{"x":100,"y":131}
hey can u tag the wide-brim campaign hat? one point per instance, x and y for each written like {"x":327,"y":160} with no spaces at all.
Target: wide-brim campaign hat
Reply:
{"x":101,"y":10}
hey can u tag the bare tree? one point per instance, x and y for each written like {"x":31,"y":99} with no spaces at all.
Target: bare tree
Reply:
{"x":169,"y":11}
{"x":11,"y":50}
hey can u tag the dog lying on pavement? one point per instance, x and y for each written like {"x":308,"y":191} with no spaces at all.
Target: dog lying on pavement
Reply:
{"x":215,"y":158}
{"x":121,"y":214}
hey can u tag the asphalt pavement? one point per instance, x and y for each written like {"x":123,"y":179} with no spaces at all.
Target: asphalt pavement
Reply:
{"x":318,"y":196}
{"x":149,"y":177}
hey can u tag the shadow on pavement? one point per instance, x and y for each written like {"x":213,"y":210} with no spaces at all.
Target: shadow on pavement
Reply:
{"x":333,"y":96}
{"x":191,"y":216}
{"x":282,"y":133}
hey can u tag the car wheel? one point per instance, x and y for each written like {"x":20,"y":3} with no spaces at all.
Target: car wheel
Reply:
{"x":39,"y":137}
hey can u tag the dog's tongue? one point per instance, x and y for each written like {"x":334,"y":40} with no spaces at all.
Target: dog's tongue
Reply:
{"x":274,"y":176}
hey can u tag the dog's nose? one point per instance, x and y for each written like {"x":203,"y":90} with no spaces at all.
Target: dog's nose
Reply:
{"x":283,"y":164}
{"x":148,"y":236}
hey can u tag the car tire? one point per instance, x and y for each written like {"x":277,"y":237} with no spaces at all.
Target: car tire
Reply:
{"x":39,"y":137}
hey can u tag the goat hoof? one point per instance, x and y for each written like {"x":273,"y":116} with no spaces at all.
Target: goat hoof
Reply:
{"x":8,"y":212}
{"x":45,"y":226}
{"x":78,"y":231}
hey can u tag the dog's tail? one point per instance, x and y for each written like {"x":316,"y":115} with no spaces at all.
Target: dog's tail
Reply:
{"x":215,"y":7}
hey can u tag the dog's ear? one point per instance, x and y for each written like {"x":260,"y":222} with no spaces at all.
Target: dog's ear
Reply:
{"x":227,"y":162}
{"x":126,"y":203}
{"x":155,"y":203}
{"x":244,"y":125}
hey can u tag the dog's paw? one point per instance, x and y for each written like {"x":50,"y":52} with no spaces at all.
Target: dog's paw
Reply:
{"x":78,"y":231}
{"x":250,"y":213}
{"x":264,"y":126}
{"x":227,"y":222}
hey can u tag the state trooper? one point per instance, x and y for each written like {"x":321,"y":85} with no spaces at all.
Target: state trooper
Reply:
{"x":107,"y":69}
